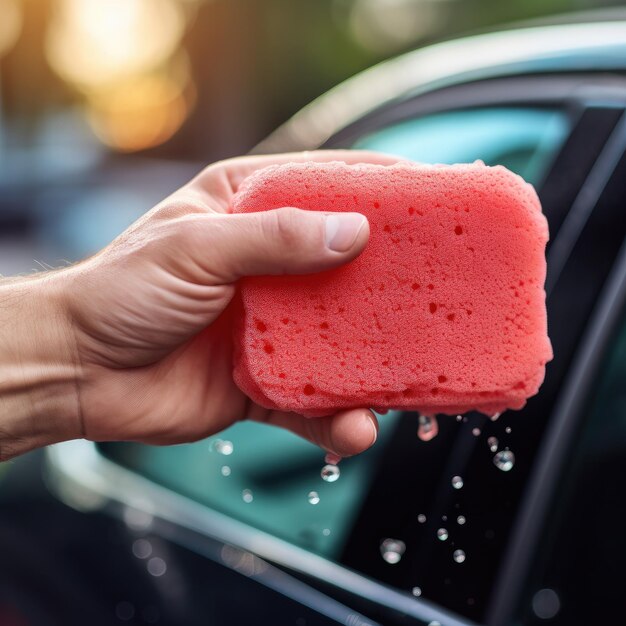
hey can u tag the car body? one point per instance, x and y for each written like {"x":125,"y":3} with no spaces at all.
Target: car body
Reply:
{"x":164,"y":534}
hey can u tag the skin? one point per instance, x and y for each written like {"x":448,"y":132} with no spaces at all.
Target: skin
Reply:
{"x":134,"y":343}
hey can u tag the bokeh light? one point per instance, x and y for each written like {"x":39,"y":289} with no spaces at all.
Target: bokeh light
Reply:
{"x":92,"y":43}
{"x":10,"y":24}
{"x":124,"y":57}
{"x":385,"y":26}
{"x":141,"y":112}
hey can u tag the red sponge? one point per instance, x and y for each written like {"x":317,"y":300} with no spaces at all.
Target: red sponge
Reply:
{"x":444,"y":311}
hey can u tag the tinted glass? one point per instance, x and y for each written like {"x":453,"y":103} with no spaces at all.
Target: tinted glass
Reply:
{"x":579,"y":579}
{"x":522,"y":139}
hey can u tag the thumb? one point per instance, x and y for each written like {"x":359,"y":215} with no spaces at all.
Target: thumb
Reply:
{"x":280,"y":241}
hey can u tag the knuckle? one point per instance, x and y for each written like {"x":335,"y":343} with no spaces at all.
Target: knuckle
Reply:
{"x":283,"y":226}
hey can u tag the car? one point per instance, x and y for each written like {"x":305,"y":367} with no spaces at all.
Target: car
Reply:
{"x":241,"y":528}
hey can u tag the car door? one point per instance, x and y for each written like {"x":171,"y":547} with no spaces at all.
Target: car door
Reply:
{"x":256,"y":491}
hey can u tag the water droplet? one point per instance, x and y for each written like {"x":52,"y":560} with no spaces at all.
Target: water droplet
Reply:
{"x":332,"y":459}
{"x":326,"y":532}
{"x":222,"y":446}
{"x":416,"y":591}
{"x":492,"y":442}
{"x":247,"y":496}
{"x":392,"y":550}
{"x":504,"y":460}
{"x":458,"y":556}
{"x":475,"y":432}
{"x":457,"y":482}
{"x":442,"y":534}
{"x":225,"y":470}
{"x":507,"y":430}
{"x":330,"y":473}
{"x":546,"y":604}
{"x":459,"y":418}
{"x":444,"y":518}
{"x":421,"y":518}
{"x":495,"y":416}
{"x":124,"y":611}
{"x":313,"y":497}
{"x":427,"y":427}
{"x":142,"y":548}
{"x":461,"y":520}
{"x":156,"y":566}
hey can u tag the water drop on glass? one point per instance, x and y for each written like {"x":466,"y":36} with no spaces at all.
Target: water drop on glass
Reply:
{"x":442,"y":534}
{"x":507,"y":430}
{"x":504,"y":460}
{"x":330,"y":473}
{"x":546,"y":604}
{"x":225,"y":470}
{"x":444,"y":518}
{"x":392,"y":550}
{"x":495,"y":416}
{"x":313,"y":497}
{"x":459,"y":418}
{"x":457,"y":482}
{"x":458,"y":556}
{"x":416,"y":591}
{"x":461,"y":520}
{"x":247,"y":496}
{"x":492,"y":442}
{"x":326,"y":532}
{"x":427,"y":427}
{"x":475,"y":432}
{"x":421,"y":518}
{"x":222,"y":446}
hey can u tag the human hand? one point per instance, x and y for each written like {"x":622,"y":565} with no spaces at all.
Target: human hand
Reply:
{"x":142,"y":323}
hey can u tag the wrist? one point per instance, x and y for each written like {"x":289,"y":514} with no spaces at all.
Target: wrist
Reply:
{"x":39,"y":370}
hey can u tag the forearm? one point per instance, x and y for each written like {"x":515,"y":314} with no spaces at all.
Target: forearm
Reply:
{"x":38,"y":373}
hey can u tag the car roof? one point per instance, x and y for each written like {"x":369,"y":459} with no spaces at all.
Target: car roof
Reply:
{"x":587,"y":42}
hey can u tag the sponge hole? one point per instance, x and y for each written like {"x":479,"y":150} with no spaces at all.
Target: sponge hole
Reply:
{"x":269,"y":348}
{"x":432,"y":307}
{"x":308,"y":390}
{"x":458,"y":230}
{"x":260,"y":326}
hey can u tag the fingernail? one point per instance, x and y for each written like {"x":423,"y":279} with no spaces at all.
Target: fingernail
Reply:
{"x":374,"y":429}
{"x":342,"y":230}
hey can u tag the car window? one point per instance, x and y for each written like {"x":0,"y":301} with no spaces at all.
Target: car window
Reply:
{"x":268,"y":478}
{"x":523,"y":139}
{"x":579,"y":579}
{"x":271,"y":479}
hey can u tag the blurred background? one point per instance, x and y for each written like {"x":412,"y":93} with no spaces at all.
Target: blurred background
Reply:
{"x":107,"y":106}
{"x":143,"y":92}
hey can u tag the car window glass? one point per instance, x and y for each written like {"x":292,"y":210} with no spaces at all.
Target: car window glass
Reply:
{"x":579,"y":579}
{"x":524,"y":140}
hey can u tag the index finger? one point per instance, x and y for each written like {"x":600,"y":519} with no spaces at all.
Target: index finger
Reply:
{"x":234,"y":171}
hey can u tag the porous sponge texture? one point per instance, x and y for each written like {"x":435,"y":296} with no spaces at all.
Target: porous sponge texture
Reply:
{"x":443,"y":312}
